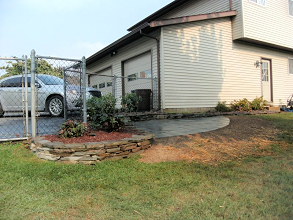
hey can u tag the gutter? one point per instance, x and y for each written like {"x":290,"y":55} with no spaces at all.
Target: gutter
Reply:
{"x":158,"y":65}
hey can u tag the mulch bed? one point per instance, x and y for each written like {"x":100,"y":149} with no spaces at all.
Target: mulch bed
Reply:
{"x":98,"y":137}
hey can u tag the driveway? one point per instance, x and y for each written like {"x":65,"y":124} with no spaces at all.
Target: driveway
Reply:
{"x":177,"y":127}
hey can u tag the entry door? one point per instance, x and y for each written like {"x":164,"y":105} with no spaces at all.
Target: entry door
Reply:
{"x":266,"y":76}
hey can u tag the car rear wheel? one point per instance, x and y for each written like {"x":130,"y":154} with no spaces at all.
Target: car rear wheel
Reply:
{"x":55,"y":106}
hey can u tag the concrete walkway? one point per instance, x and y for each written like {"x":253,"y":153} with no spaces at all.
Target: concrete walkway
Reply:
{"x":176,"y":127}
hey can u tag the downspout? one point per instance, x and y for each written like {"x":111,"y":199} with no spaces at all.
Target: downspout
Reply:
{"x":158,"y":66}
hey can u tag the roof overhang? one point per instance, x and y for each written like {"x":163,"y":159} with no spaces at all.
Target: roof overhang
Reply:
{"x":192,"y":18}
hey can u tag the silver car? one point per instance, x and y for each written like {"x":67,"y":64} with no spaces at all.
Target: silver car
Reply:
{"x":50,"y":93}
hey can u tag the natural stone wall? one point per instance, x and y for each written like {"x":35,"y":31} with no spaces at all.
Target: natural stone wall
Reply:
{"x":92,"y":152}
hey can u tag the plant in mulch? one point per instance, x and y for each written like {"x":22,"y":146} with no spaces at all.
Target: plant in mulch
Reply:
{"x":258,"y":103}
{"x":71,"y":128}
{"x":222,"y":107}
{"x":130,"y":102}
{"x":241,"y":105}
{"x":103,"y":114}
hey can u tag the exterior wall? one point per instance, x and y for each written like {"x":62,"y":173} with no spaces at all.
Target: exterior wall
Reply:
{"x":196,"y":7}
{"x":129,"y":51}
{"x":237,"y":21}
{"x":270,"y":23}
{"x":201,"y":65}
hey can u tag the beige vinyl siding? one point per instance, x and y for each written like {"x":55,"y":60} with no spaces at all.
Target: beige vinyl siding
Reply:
{"x":127,"y":52}
{"x":237,"y":21}
{"x":271,"y":23}
{"x":202,"y":65}
{"x":196,"y":7}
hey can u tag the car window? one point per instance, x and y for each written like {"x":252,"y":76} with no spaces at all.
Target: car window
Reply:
{"x":50,"y":80}
{"x":13,"y":82}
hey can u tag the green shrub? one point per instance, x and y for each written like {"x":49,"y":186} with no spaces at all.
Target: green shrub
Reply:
{"x":258,"y":103}
{"x":241,"y":105}
{"x":103,"y":114}
{"x":130,"y":102}
{"x":222,"y":107}
{"x":71,"y":129}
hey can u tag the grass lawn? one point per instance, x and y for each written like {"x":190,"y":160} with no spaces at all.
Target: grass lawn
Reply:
{"x":251,"y":188}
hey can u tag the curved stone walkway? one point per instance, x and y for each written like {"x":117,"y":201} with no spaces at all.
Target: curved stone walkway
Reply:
{"x":177,"y":127}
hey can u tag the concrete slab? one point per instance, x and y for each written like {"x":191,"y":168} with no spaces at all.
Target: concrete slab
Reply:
{"x":177,"y":127}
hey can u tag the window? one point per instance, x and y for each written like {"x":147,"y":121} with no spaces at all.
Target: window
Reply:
{"x":290,"y":7}
{"x":13,"y":82}
{"x":260,"y":2}
{"x":102,"y":85}
{"x":109,"y":84}
{"x":265,"y":72}
{"x":290,"y":65}
{"x":146,"y":74}
{"x":132,"y":77}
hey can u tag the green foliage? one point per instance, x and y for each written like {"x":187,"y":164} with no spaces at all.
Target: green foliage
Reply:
{"x":241,"y":105}
{"x":43,"y":67}
{"x":130,"y":102}
{"x":103,"y":114}
{"x":258,"y":103}
{"x":71,"y":129}
{"x":222,"y":107}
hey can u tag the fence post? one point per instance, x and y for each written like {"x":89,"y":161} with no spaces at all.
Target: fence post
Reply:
{"x":114,"y":86}
{"x":65,"y":94}
{"x":33,"y":94}
{"x":84,"y":89}
{"x":26,"y":97}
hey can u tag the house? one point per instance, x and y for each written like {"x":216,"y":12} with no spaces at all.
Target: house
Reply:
{"x":198,"y":52}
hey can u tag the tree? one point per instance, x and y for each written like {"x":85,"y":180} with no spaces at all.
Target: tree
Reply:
{"x":43,"y":67}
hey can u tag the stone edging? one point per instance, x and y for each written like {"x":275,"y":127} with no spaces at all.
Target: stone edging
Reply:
{"x":92,"y":152}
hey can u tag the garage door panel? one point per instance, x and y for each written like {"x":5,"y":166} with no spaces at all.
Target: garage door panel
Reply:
{"x":103,"y":81}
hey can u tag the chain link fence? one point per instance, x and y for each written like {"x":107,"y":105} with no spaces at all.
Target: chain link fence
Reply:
{"x":144,"y":86}
{"x":14,"y":123}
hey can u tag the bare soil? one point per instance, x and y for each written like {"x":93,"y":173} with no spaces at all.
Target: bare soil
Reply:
{"x":244,"y":136}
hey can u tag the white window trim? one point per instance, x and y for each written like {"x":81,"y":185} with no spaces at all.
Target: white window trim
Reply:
{"x":290,"y":58}
{"x":259,"y":3}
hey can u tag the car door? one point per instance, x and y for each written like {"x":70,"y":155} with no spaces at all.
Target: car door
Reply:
{"x":11,"y":94}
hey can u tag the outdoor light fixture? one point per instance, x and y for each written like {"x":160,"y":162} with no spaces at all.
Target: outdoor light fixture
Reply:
{"x":113,"y":53}
{"x":257,"y":63}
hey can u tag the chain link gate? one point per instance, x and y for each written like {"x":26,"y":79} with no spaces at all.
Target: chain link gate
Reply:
{"x":14,"y":117}
{"x":37,"y":95}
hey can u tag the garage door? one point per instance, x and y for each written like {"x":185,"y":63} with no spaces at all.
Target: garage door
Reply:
{"x":102,"y":81}
{"x":138,"y":73}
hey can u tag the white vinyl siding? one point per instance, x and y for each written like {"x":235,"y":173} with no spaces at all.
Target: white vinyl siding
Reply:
{"x":270,"y":24}
{"x":202,"y":65}
{"x":237,"y":21}
{"x":196,"y":7}
{"x":290,"y":61}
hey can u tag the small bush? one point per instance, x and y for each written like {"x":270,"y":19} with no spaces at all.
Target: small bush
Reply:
{"x":103,"y":114}
{"x":222,"y":107}
{"x":258,"y":103}
{"x":71,"y":129}
{"x":241,"y":105}
{"x":130,"y":102}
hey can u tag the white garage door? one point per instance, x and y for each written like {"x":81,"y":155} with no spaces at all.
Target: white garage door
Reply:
{"x":138,"y":73}
{"x":102,"y":81}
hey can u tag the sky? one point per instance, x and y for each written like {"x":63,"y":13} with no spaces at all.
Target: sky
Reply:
{"x":67,"y":28}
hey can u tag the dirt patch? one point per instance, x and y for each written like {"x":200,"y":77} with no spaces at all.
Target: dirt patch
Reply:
{"x":94,"y":136}
{"x":242,"y":137}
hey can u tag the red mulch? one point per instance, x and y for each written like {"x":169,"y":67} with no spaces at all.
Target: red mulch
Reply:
{"x":99,"y":136}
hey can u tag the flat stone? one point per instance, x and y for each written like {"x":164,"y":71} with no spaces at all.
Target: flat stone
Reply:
{"x":53,"y":145}
{"x":75,"y":146}
{"x":114,"y":144}
{"x":41,"y":143}
{"x":87,"y":159}
{"x":128,"y":146}
{"x":147,"y":142}
{"x":77,"y":154}
{"x":96,"y":152}
{"x":70,"y":158}
{"x":94,"y":145}
{"x":47,"y":157}
{"x":136,"y":149}
{"x":144,"y":147}
{"x":113,"y":150}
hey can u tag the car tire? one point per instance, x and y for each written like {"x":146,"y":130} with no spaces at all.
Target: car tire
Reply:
{"x":55,"y":106}
{"x":1,"y":111}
